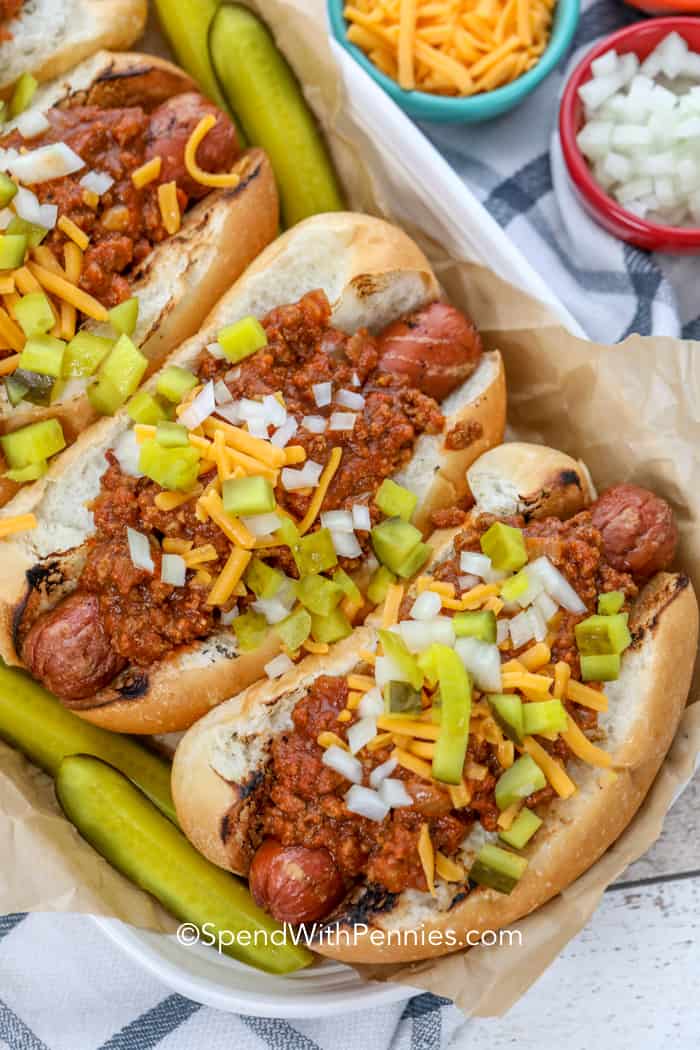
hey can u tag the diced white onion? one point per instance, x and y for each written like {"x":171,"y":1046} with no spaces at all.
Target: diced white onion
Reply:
{"x":48,"y":215}
{"x":230,"y":412}
{"x":556,"y":585}
{"x":420,"y":634}
{"x":474,"y":564}
{"x":258,"y":428}
{"x":388,"y":670}
{"x":361,"y":733}
{"x":6,"y":217}
{"x":139,"y":550}
{"x":394,"y":794}
{"x":350,"y":399}
{"x":534,"y":588}
{"x":26,"y":205}
{"x":342,"y":421}
{"x":355,"y":379}
{"x":314,"y":424}
{"x":426,"y":606}
{"x":173,"y":570}
{"x":371,"y":705}
{"x":200,"y":409}
{"x":284,"y":433}
{"x":467,"y":582}
{"x":278,"y":666}
{"x":382,"y":772}
{"x":304,"y":478}
{"x":539,"y":626}
{"x":502,"y":631}
{"x":361,"y":517}
{"x":228,"y":617}
{"x":343,"y":762}
{"x":75,"y":386}
{"x":274,"y":412}
{"x":338,"y":520}
{"x":222,"y":394}
{"x":521,"y":629}
{"x":32,"y":122}
{"x":46,"y":163}
{"x":262,"y":524}
{"x":323,"y":393}
{"x":272,"y":609}
{"x":127,"y":450}
{"x":346,"y":544}
{"x":97,"y":182}
{"x":545,"y":606}
{"x":216,"y":350}
{"x":483,"y":661}
{"x":366,"y":803}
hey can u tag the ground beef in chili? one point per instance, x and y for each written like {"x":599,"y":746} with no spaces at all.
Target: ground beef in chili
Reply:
{"x":9,"y":9}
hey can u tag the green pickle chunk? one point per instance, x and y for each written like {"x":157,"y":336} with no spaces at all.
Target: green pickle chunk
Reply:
{"x":505,"y":546}
{"x":393,"y":541}
{"x":123,"y":317}
{"x":610,"y":603}
{"x":33,"y":444}
{"x":508,"y":712}
{"x":145,"y":408}
{"x":43,"y":354}
{"x":522,"y":779}
{"x":242,"y":339}
{"x":603,"y":634}
{"x":600,"y":667}
{"x":330,"y":628}
{"x":380,"y":582}
{"x":295,"y":629}
{"x":455,"y":706}
{"x":23,"y":94}
{"x":174,"y":382}
{"x":33,"y":233}
{"x":395,"y":501}
{"x":34,"y":314}
{"x":262,"y":579}
{"x":498,"y":869}
{"x":397,"y":651}
{"x":522,"y":829}
{"x":85,"y":353}
{"x":319,"y":594}
{"x":544,"y":716}
{"x":252,"y":495}
{"x":8,"y":188}
{"x":171,"y":435}
{"x":481,"y":625}
{"x":12,"y":250}
{"x":175,"y":469}
{"x":250,"y":629}
{"x":315,"y":553}
{"x":400,"y":698}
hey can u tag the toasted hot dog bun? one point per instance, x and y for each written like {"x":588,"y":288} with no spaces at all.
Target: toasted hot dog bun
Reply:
{"x":51,"y":36}
{"x":185,"y":275}
{"x":372,"y":273}
{"x":224,"y":755}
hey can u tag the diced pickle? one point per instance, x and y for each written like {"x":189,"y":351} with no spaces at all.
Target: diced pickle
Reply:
{"x":242,"y":339}
{"x":262,"y":579}
{"x":610,"y":603}
{"x":415,"y":561}
{"x":348,"y":586}
{"x":37,"y":388}
{"x":123,"y":317}
{"x":379,"y":584}
{"x":455,"y":704}
{"x":15,"y":389}
{"x":395,"y":501}
{"x":174,"y":382}
{"x":315,"y":553}
{"x":522,"y":779}
{"x":33,"y":444}
{"x":427,"y":661}
{"x":393,"y":541}
{"x":544,"y":716}
{"x":481,"y":625}
{"x":124,"y":367}
{"x":400,"y":698}
{"x":31,"y":230}
{"x":505,"y":546}
{"x":600,"y":667}
{"x":23,"y":94}
{"x":497,"y":868}
{"x":12,"y":249}
{"x":330,"y":628}
{"x":85,"y":353}
{"x":43,"y":354}
{"x":171,"y":435}
{"x":172,"y":468}
{"x":23,"y":475}
{"x":603,"y":634}
{"x":252,"y":495}
{"x":522,"y":829}
{"x":508,"y":712}
{"x":250,"y":629}
{"x":34,"y":314}
{"x":105,"y":397}
{"x":295,"y":629}
{"x":319,"y":594}
{"x":515,"y":586}
{"x":8,"y":189}
{"x":396,"y":649}
{"x":145,"y":408}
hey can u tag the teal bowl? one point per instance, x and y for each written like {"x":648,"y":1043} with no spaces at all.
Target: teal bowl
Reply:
{"x":472,"y":110}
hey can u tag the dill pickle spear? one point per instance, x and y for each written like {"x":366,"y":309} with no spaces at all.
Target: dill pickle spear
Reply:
{"x":186,"y":25}
{"x":268,"y":103}
{"x":40,"y":727}
{"x":128,"y":831}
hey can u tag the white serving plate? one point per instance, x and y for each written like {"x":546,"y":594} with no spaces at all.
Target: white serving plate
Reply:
{"x":329,"y":988}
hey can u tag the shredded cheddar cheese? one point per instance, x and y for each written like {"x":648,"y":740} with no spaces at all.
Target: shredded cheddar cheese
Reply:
{"x":171,"y":500}
{"x":294,"y":454}
{"x":90,"y":198}
{"x":562,"y":674}
{"x":10,"y":333}
{"x":426,"y":853}
{"x":7,"y":284}
{"x":411,"y":762}
{"x":427,"y":583}
{"x":9,"y":364}
{"x":328,"y":739}
{"x":553,"y":771}
{"x":447,"y":869}
{"x":232,"y":527}
{"x":73,"y":260}
{"x":583,"y":748}
{"x":460,"y":795}
{"x":379,"y":741}
{"x":171,"y":545}
{"x":344,"y":716}
{"x":240,"y":440}
{"x":19,"y":523}
{"x":392,"y":604}
{"x":317,"y":648}
{"x":199,"y":555}
{"x":422,"y":748}
{"x":68,"y":292}
{"x":228,"y":180}
{"x":507,"y":816}
{"x":169,"y":207}
{"x":585,"y":696}
{"x":321,"y":490}
{"x":73,"y":232}
{"x":360,"y":682}
{"x":354,"y":700}
{"x":408,"y":727}
{"x":522,"y":680}
{"x":148,"y":172}
{"x":229,"y":576}
{"x":535,"y":658}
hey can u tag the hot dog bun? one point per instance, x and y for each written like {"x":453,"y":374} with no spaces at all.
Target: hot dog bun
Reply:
{"x":225,"y":753}
{"x":51,"y":36}
{"x":371,"y":273}
{"x":185,"y":275}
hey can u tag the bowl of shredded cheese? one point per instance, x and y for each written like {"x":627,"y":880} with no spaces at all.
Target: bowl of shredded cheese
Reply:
{"x":460,"y":61}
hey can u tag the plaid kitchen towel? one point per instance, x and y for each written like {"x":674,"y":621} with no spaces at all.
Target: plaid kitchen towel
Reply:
{"x":63,"y":986}
{"x":515,"y":167}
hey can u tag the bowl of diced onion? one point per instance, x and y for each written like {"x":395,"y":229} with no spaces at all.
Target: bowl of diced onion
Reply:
{"x":629,"y":125}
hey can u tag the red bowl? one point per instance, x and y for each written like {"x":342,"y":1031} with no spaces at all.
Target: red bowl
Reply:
{"x":642,"y":38}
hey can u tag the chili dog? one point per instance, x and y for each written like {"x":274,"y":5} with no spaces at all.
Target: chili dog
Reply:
{"x":44,"y":38}
{"x":129,"y":208}
{"x":180,"y":584}
{"x":455,"y":768}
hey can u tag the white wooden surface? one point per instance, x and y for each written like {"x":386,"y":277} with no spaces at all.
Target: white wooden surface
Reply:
{"x":631,"y":979}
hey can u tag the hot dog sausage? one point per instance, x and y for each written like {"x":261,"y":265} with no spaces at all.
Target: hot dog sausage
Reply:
{"x":68,"y":650}
{"x":437,"y":347}
{"x":638,"y":530}
{"x":171,"y":125}
{"x":293,"y":883}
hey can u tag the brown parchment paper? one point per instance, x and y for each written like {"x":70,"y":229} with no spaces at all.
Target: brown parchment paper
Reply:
{"x":632,"y":412}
